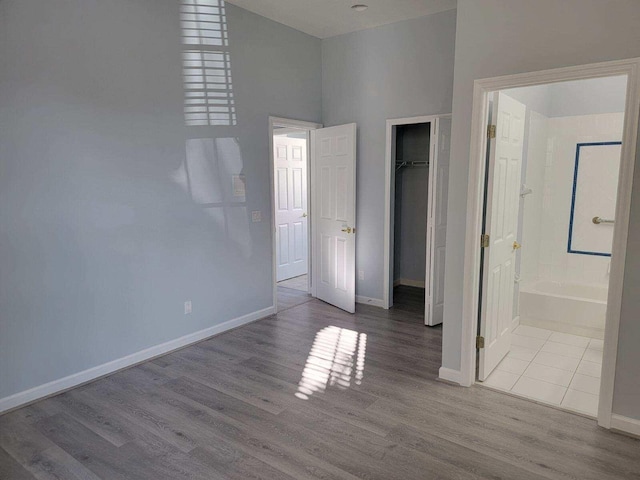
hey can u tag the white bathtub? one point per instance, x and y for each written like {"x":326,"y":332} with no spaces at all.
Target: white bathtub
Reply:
{"x":564,"y":307}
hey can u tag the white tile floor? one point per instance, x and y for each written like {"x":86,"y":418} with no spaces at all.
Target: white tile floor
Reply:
{"x":552,"y":367}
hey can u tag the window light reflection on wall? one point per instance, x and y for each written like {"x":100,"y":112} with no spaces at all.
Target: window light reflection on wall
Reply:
{"x":206,"y":64}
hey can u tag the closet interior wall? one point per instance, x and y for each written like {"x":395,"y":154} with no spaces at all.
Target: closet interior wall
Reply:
{"x":410,"y":205}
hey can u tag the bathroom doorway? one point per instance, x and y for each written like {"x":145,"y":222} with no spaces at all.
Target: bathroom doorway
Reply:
{"x":553,"y":163}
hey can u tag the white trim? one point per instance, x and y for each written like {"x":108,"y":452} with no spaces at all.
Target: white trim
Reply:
{"x":389,"y":177}
{"x":515,"y":323}
{"x":292,"y":123}
{"x":286,"y":130}
{"x":625,"y":424}
{"x":449,"y":375}
{"x":295,"y":125}
{"x":375,"y":302}
{"x":57,"y":386}
{"x":312,"y":206}
{"x":482,"y":88}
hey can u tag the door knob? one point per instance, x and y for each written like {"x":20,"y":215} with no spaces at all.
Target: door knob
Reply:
{"x":347,"y":229}
{"x":304,"y":215}
{"x":516,"y":245}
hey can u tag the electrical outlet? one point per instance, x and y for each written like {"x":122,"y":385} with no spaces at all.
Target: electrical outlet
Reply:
{"x":360,"y":274}
{"x":187,"y":307}
{"x":256,"y":216}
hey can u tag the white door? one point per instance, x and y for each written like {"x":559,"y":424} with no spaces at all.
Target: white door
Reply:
{"x":290,"y":155}
{"x":333,"y":163}
{"x":501,"y":224}
{"x":437,"y":220}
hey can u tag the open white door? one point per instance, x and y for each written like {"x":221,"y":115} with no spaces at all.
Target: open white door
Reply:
{"x":333,"y":167}
{"x":290,"y":156}
{"x":503,"y":187}
{"x":437,"y":220}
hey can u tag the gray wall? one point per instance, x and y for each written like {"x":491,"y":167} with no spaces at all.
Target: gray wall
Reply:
{"x":499,"y":37}
{"x":626,"y":394}
{"x":398,"y":70}
{"x":104,"y":232}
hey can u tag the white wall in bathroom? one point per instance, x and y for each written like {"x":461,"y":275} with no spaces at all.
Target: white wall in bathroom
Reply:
{"x":564,"y":133}
{"x":531,"y":218}
{"x":595,"y":194}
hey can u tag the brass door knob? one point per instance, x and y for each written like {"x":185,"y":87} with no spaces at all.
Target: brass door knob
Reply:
{"x":347,"y":229}
{"x":516,"y":245}
{"x":304,"y":215}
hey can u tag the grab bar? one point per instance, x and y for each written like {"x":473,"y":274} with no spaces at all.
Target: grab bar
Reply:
{"x":598,"y":221}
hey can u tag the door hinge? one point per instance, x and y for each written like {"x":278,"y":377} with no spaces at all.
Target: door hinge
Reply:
{"x":484,"y":240}
{"x":491,"y":131}
{"x":479,"y":341}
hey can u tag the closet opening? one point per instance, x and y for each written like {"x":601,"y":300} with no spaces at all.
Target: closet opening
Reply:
{"x":410,"y":217}
{"x":418,"y":172}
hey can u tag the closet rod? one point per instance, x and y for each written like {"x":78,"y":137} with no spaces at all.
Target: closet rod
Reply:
{"x":400,"y":165}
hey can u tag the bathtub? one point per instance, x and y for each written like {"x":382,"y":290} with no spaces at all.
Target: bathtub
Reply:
{"x":564,"y":307}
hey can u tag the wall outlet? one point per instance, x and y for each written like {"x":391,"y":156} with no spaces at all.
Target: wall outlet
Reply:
{"x":187,"y":307}
{"x":360,"y":274}
{"x":256,"y":216}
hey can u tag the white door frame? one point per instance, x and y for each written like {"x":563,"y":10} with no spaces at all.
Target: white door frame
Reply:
{"x":292,"y":125}
{"x":390,"y":175}
{"x":475,"y":202}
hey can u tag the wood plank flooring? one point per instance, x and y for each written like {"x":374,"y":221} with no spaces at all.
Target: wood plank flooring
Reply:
{"x":410,"y":301}
{"x":291,"y":297}
{"x":312,"y":393}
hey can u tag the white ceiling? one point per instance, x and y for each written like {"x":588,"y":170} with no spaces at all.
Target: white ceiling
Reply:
{"x":327,"y":18}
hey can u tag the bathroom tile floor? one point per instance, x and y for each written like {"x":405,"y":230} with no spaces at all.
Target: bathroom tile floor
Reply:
{"x":552,"y":367}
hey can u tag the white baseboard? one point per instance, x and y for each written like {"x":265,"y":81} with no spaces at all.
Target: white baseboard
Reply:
{"x":515,"y":323}
{"x":57,"y":386}
{"x":450,"y":375}
{"x":376,"y":302}
{"x":625,"y":424}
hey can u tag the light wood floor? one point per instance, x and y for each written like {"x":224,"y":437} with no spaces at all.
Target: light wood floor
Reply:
{"x":311,"y":393}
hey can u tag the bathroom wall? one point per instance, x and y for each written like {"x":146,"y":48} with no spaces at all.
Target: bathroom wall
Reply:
{"x":532,"y":204}
{"x":545,"y":218}
{"x":559,"y":116}
{"x":564,"y":133}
